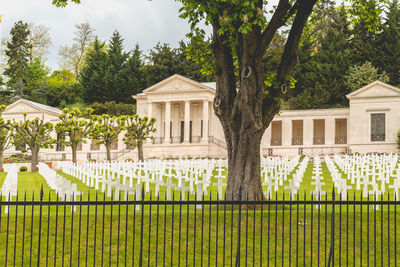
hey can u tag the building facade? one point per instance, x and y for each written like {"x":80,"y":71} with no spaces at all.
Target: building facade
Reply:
{"x":187,"y":126}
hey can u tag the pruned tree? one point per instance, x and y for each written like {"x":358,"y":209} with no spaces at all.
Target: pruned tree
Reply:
{"x":246,"y":99}
{"x":34,"y":134}
{"x":105,"y":130}
{"x":138,"y":130}
{"x":6,"y":133}
{"x":73,"y":126}
{"x":73,"y":57}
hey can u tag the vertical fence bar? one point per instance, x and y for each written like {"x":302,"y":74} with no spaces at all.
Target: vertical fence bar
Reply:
{"x":126,"y":229}
{"x":87,"y":232}
{"x":395,"y":230}
{"x":187,"y":232}
{"x":194,"y":229}
{"x":239,"y":231}
{"x":172,"y":228}
{"x":180,"y":229}
{"x":23,"y":229}
{"x":15,"y":231}
{"x":157,"y":219}
{"x":361,"y":229}
{"x":102,"y":229}
{"x":276,"y":227}
{"x":311,"y":242}
{"x":202,"y":230}
{"x":247,"y":225}
{"x":40,"y":225}
{"x":72,"y":231}
{"x":232,"y":232}
{"x":8,"y":223}
{"x":79,"y":231}
{"x":326,"y":227}
{"x":95,"y":231}
{"x":111,"y":223}
{"x":224,"y":239}
{"x":304,"y":229}
{"x":319,"y":228}
{"x":30,"y":248}
{"x":216,"y":233}
{"x":283,"y":227}
{"x":374,"y":231}
{"x":261,"y":232}
{"x":149,"y":242}
{"x":297,"y":231}
{"x":55,"y":231}
{"x":290,"y":230}
{"x":254,"y":229}
{"x":354,"y":229}
{"x":368,"y":231}
{"x":141,"y":229}
{"x":382,"y":230}
{"x":340,"y":230}
{"x":209,"y":232}
{"x":118,"y":226}
{"x":388,"y":228}
{"x":332,"y":250}
{"x":347,"y":230}
{"x":63,"y":232}
{"x":165,"y":229}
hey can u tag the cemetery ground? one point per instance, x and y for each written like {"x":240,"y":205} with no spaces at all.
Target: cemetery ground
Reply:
{"x":181,"y":233}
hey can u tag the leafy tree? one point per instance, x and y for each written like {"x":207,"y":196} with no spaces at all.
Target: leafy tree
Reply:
{"x":37,"y":73}
{"x":361,"y":75}
{"x":241,"y":34}
{"x":137,"y":131}
{"x":106,"y":130}
{"x":62,"y":89}
{"x":35,"y":134}
{"x":113,"y":109}
{"x":73,"y":126}
{"x":92,"y":74}
{"x":6,"y":133}
{"x":18,"y":53}
{"x":387,"y":45}
{"x":73,"y":57}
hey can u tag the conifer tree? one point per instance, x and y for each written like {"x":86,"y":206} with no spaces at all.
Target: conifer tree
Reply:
{"x":18,"y":53}
{"x":92,"y":74}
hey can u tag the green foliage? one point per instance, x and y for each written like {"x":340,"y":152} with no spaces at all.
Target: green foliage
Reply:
{"x":18,"y":53}
{"x":321,"y":71}
{"x":398,"y":140}
{"x":37,"y":73}
{"x":105,"y":130}
{"x":138,"y":129}
{"x":361,"y":75}
{"x":113,"y":109}
{"x":23,"y":169}
{"x":34,"y":133}
{"x":6,"y":133}
{"x":62,"y":89}
{"x":74,"y":127}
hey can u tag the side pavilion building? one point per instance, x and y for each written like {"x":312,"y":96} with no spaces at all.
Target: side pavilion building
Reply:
{"x":187,"y":126}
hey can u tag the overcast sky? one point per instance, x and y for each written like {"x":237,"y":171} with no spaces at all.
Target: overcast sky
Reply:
{"x":139,"y":21}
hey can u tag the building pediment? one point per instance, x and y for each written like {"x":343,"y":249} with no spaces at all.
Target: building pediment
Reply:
{"x":376,"y":89}
{"x":177,"y":84}
{"x":25,"y":106}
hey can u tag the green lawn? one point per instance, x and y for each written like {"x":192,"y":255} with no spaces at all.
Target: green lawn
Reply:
{"x":99,"y":231}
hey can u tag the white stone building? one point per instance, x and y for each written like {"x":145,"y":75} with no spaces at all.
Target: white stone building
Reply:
{"x":187,"y":126}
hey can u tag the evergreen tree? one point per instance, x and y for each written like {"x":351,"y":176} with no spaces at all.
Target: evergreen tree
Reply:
{"x":134,"y":75}
{"x":388,"y":44}
{"x":322,"y":75}
{"x":92,"y":74}
{"x":361,"y":75}
{"x":114,"y":80}
{"x":18,"y":53}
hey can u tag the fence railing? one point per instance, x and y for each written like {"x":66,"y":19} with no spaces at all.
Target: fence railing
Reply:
{"x":148,"y":232}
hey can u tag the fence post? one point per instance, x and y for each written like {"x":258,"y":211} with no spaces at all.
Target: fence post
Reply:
{"x":141,"y":230}
{"x":40,"y":225}
{"x":331,"y":260}
{"x":239,"y":230}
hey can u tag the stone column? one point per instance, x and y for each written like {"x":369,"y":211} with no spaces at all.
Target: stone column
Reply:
{"x":205,"y":121}
{"x":167,"y":122}
{"x":308,"y":131}
{"x":286,"y":132}
{"x":187,"y":122}
{"x":149,"y":115}
{"x":330,"y":131}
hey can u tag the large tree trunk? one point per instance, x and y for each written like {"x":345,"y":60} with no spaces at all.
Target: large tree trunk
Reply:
{"x":1,"y":161}
{"x":34,"y":160}
{"x":140,"y":151}
{"x":108,"y":150}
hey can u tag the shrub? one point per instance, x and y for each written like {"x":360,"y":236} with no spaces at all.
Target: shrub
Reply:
{"x":23,"y":169}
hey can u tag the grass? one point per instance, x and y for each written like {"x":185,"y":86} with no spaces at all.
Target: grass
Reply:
{"x":273,"y":233}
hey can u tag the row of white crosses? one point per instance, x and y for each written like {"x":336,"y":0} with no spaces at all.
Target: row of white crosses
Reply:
{"x":10,"y":184}
{"x":275,"y":170}
{"x":297,"y":177}
{"x":369,"y":173}
{"x":317,"y":177}
{"x":64,"y":188}
{"x":193,"y":176}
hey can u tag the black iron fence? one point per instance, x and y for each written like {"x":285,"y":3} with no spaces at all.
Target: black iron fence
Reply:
{"x":206,"y":232}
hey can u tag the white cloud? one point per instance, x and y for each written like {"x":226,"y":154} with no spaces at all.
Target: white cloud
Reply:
{"x":138,"y":21}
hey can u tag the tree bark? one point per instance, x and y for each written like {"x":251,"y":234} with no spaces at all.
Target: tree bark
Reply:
{"x":108,"y":150}
{"x":34,"y":160}
{"x":1,"y":161}
{"x":74,"y":149}
{"x":140,"y":151}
